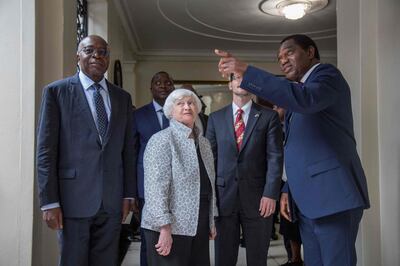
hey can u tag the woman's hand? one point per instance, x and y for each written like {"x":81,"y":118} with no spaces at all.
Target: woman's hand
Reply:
{"x":164,"y":244}
{"x":213,"y":233}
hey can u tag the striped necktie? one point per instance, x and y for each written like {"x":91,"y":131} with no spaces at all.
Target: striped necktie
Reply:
{"x":239,"y":128}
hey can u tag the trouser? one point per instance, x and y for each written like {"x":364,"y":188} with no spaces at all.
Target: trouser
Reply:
{"x":186,"y":250}
{"x":330,"y":240}
{"x":90,"y":241}
{"x":256,"y":233}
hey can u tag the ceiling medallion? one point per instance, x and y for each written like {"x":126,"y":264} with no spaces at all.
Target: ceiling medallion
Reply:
{"x":291,"y":9}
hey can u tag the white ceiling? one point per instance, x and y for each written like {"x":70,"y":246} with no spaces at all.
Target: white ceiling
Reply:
{"x":196,"y":27}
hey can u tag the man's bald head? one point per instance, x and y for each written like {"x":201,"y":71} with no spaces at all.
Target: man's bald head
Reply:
{"x":93,"y":57}
{"x":90,"y":38}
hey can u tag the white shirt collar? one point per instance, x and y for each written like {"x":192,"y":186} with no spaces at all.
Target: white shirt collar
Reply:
{"x":245,"y":108}
{"x":87,"y":82}
{"x":308,"y":73}
{"x":157,"y":106}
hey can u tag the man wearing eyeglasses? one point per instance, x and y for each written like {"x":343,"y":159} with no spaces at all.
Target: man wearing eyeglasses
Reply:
{"x":84,"y":159}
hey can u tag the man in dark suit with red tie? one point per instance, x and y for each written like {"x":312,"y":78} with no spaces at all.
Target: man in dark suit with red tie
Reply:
{"x":84,"y":159}
{"x":246,"y":140}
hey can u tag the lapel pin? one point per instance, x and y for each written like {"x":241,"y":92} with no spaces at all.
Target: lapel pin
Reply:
{"x":256,"y":115}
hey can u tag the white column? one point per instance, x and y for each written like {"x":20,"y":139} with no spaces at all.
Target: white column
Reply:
{"x":388,"y":73}
{"x":55,"y":59}
{"x":129,"y":78}
{"x":17,"y":111}
{"x":368,"y":43}
{"x":98,"y":18}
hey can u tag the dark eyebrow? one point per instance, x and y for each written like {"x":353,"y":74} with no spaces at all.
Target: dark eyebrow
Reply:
{"x":289,"y":46}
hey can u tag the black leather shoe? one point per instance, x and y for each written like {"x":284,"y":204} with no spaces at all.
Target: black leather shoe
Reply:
{"x":289,"y":263}
{"x":133,"y":238}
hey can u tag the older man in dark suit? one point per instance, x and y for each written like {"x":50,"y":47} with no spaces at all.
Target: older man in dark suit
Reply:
{"x":325,"y":176}
{"x":247,"y":143}
{"x":85,"y":159}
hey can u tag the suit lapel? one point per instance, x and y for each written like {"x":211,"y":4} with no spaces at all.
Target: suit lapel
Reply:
{"x":288,"y":119}
{"x":81,"y":105}
{"x":229,"y":125}
{"x":153,"y":118}
{"x":114,"y":111}
{"x":251,"y":122}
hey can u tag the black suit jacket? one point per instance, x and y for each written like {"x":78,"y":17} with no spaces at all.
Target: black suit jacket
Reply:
{"x":253,"y":172}
{"x":74,"y":167}
{"x":204,"y":120}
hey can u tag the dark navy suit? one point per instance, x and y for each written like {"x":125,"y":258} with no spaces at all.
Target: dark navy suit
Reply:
{"x":87,"y":177}
{"x":146,"y":124}
{"x":243,"y":178}
{"x":325,"y":176}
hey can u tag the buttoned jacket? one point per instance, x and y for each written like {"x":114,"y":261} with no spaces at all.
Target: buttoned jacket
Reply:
{"x":75,"y":168}
{"x":324,"y":171}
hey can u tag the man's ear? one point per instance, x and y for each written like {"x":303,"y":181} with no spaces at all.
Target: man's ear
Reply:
{"x":311,"y":52}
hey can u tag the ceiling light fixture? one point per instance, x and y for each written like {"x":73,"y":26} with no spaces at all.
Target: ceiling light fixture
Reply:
{"x":291,"y":9}
{"x":295,"y":11}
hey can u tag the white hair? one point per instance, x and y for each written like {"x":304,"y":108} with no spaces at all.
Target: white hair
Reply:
{"x":178,"y":94}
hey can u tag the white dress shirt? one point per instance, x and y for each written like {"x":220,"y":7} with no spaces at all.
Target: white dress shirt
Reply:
{"x":87,"y":84}
{"x":308,"y":73}
{"x":159,"y":112}
{"x":246,"y":111}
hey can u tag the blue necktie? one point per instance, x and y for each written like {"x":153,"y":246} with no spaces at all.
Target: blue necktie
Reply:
{"x":102,"y":119}
{"x":165,"y":121}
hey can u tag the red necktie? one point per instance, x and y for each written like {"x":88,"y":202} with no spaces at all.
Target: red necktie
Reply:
{"x":239,"y":128}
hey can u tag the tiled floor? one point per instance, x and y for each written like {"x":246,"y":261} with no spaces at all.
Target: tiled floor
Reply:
{"x":276,"y":254}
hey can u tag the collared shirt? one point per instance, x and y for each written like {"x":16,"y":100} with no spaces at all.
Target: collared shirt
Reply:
{"x":308,"y":73}
{"x":89,"y":91}
{"x":158,"y":109}
{"x":246,"y":111}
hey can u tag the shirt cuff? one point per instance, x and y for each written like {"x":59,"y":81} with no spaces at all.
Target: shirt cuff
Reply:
{"x":50,"y":206}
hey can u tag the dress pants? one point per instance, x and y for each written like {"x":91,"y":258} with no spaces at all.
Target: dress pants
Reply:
{"x":186,"y":250}
{"x":90,"y":241}
{"x":330,"y":240}
{"x":256,"y":233}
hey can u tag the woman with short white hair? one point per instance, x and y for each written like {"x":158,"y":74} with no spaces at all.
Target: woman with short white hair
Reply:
{"x":178,"y":215}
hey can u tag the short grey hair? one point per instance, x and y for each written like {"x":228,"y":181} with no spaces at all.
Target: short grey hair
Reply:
{"x":176,"y":95}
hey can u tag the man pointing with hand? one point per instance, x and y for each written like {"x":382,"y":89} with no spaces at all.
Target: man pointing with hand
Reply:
{"x":326,"y":187}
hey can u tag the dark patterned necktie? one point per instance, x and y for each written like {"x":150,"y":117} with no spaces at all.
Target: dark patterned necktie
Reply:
{"x":165,"y":121}
{"x":102,"y":119}
{"x":239,"y":128}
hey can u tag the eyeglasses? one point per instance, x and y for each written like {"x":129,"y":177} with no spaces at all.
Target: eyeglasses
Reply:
{"x":102,"y":52}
